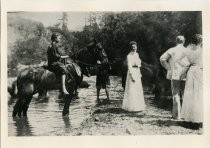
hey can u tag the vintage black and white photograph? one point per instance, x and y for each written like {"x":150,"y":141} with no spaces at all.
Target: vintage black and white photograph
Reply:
{"x":111,"y":73}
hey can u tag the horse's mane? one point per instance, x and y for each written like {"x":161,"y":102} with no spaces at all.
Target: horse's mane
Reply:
{"x":81,"y":52}
{"x":21,"y":67}
{"x":84,"y":52}
{"x":25,"y":71}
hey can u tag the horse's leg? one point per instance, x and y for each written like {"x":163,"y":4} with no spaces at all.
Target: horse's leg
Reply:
{"x":17,"y":107}
{"x":67,"y":104}
{"x":42,"y":94}
{"x":98,"y":93}
{"x":26,"y":105}
{"x":25,"y":94}
{"x":80,"y":79}
{"x":20,"y":109}
{"x":76,"y":92}
{"x":71,"y":83}
{"x":107,"y":93}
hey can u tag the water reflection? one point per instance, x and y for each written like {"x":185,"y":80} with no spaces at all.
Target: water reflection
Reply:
{"x":45,"y":115}
{"x":41,"y":100}
{"x":66,"y":121}
{"x":23,"y":127}
{"x":11,"y":100}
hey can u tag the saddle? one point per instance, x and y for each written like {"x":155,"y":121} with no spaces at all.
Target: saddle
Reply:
{"x":78,"y":70}
{"x":67,"y":63}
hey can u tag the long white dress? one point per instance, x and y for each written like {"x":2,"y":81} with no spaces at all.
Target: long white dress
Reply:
{"x":192,"y":107}
{"x":133,"y":97}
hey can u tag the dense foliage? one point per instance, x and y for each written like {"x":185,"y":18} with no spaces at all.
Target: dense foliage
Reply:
{"x":154,"y":32}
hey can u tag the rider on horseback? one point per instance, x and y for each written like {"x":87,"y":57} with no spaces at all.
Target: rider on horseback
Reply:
{"x":55,"y":63}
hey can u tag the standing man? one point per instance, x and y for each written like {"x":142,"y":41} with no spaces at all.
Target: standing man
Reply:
{"x":102,"y":76}
{"x":169,"y":60}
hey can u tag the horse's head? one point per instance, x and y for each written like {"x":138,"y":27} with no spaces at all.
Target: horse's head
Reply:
{"x":88,"y":56}
{"x":98,"y":52}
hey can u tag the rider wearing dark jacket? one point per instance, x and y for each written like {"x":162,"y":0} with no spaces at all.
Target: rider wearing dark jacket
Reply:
{"x":55,"y":63}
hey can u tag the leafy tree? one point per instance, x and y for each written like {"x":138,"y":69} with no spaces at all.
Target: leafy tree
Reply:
{"x":155,"y":32}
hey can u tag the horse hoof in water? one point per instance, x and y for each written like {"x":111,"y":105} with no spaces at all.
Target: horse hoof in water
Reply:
{"x":75,"y":96}
{"x":107,"y":101}
{"x":65,"y":113}
{"x":61,"y":95}
{"x":98,"y":102}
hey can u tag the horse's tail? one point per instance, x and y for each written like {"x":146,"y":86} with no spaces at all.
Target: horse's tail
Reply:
{"x":148,"y":67}
{"x":13,"y":89}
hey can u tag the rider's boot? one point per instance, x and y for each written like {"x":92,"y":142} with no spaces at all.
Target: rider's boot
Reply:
{"x":63,"y":86}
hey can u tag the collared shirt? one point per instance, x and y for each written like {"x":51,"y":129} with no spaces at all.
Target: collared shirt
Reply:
{"x":133,"y":61}
{"x":170,"y":59}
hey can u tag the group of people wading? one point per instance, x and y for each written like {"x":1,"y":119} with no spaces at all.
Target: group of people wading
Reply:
{"x":184,"y":69}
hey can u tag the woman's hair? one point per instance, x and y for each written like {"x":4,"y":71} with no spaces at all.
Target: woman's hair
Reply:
{"x":133,"y":43}
{"x":196,"y":39}
{"x":54,"y":36}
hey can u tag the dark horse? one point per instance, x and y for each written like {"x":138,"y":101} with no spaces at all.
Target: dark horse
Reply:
{"x":47,"y":80}
{"x":31,"y":80}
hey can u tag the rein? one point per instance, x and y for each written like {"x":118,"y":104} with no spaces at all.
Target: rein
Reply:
{"x":78,"y":61}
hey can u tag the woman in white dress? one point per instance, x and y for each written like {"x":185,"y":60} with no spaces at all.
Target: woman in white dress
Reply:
{"x":192,"y":107}
{"x":133,"y":98}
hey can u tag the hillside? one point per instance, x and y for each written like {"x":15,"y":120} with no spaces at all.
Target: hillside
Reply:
{"x":19,"y":29}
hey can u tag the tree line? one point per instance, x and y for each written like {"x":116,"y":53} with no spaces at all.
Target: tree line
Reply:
{"x":154,"y":32}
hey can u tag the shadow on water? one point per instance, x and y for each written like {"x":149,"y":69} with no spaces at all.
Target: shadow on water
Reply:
{"x":190,"y":125}
{"x":171,"y":122}
{"x":41,"y":100}
{"x":116,"y":102}
{"x":11,"y":100}
{"x":66,"y":121}
{"x":163,"y":123}
{"x":60,"y":99}
{"x":23,"y":127}
{"x":120,"y":111}
{"x":165,"y":104}
{"x":45,"y":115}
{"x":156,"y":117}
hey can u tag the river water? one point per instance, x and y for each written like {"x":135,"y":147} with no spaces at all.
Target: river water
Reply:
{"x":45,"y":117}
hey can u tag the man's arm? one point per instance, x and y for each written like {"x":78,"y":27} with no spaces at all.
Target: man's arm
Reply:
{"x":164,"y":60}
{"x":64,"y":57}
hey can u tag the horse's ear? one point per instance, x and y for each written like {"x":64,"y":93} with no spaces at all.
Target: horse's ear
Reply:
{"x":95,"y":40}
{"x":90,"y":44}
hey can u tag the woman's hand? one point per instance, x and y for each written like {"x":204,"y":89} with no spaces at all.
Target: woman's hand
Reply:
{"x":132,"y":79}
{"x":98,"y":62}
